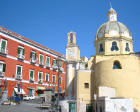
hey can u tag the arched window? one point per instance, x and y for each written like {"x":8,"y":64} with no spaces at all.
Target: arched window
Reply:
{"x":116,"y":65}
{"x":101,"y":49}
{"x":114,"y":46}
{"x":71,"y":37}
{"x":127,"y":47}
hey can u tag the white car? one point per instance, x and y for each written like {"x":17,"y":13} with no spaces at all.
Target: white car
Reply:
{"x":26,"y":97}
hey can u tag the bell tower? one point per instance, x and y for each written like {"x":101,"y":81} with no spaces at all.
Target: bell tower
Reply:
{"x":72,"y":57}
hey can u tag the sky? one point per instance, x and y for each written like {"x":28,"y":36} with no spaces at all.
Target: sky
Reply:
{"x":48,"y":22}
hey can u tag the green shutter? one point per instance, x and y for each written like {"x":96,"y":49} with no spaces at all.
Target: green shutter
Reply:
{"x":31,"y":54}
{"x":19,"y":70}
{"x":53,"y":89}
{"x":53,"y":79}
{"x":4,"y":67}
{"x":40,"y":74}
{"x":23,"y":52}
{"x":3,"y":45}
{"x":31,"y":74}
{"x":48,"y":61}
{"x":35,"y":56}
{"x":41,"y":58}
{"x":18,"y":50}
{"x":47,"y":77}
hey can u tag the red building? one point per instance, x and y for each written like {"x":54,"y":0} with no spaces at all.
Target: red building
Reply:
{"x":28,"y":66}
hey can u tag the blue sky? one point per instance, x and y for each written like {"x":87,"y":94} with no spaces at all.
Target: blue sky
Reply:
{"x":48,"y":21}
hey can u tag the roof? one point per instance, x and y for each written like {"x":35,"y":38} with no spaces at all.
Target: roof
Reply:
{"x":17,"y":36}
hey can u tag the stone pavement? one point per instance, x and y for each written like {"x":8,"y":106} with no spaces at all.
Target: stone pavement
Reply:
{"x":22,"y":107}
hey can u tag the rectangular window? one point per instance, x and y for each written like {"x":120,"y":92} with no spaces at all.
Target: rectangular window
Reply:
{"x":33,"y":56}
{"x":60,"y":80}
{"x":47,"y":77}
{"x":54,"y":62}
{"x":40,"y":59}
{"x":2,"y":67}
{"x":86,"y":85}
{"x":19,"y":72}
{"x":53,"y":78}
{"x":3,"y":46}
{"x":47,"y":61}
{"x":40,"y":74}
{"x":20,"y":52}
{"x":31,"y":74}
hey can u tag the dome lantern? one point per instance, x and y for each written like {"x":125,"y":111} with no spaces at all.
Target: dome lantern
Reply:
{"x":112,"y":15}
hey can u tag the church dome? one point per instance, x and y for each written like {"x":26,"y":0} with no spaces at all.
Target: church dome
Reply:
{"x":113,"y":27}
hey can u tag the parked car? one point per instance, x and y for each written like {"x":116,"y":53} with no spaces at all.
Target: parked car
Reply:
{"x":26,"y":97}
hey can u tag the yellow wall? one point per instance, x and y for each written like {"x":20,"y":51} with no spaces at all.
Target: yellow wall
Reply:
{"x":126,"y":81}
{"x":83,"y":93}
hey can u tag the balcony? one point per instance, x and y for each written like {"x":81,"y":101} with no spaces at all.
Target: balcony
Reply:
{"x":40,"y":82}
{"x":31,"y":80}
{"x":55,"y":67}
{"x":41,"y":64}
{"x":33,"y":61}
{"x":3,"y":52}
{"x":21,"y":57}
{"x":18,"y":77}
{"x":48,"y":67}
{"x":1,"y":74}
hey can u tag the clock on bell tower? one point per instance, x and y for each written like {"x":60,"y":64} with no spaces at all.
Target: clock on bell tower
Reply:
{"x":72,"y":50}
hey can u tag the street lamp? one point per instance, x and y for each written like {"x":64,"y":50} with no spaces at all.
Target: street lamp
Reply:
{"x":59,"y":74}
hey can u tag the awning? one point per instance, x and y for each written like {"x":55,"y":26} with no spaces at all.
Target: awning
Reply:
{"x":20,"y":92}
{"x":40,"y":88}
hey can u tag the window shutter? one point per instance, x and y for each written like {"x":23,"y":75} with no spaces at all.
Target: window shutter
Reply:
{"x":19,"y":70}
{"x":23,"y":52}
{"x":4,"y":67}
{"x":3,"y":45}
{"x":47,"y":77}
{"x":18,"y":50}
{"x":40,"y":75}
{"x":41,"y":58}
{"x":31,"y":74}
{"x":35,"y":56}
{"x":31,"y":54}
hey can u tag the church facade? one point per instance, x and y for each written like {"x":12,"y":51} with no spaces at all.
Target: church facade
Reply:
{"x":113,"y":72}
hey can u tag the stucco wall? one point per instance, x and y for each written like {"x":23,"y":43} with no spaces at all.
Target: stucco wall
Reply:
{"x":126,"y":81}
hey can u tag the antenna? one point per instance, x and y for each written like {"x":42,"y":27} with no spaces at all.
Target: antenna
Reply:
{"x":110,"y":4}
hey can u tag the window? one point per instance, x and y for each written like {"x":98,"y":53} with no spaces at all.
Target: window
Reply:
{"x":60,"y":80}
{"x":86,"y":85}
{"x":117,"y":65}
{"x":53,"y":78}
{"x":47,"y":77}
{"x":31,"y":75}
{"x":127,"y":47}
{"x":71,"y":38}
{"x":2,"y":68}
{"x":40,"y":76}
{"x":41,"y":59}
{"x":3,"y":46}
{"x":101,"y":48}
{"x":33,"y":56}
{"x":20,"y":52}
{"x":47,"y":61}
{"x":54,"y":62}
{"x":114,"y":46}
{"x":19,"y":72}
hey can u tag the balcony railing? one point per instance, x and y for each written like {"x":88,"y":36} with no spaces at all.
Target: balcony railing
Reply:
{"x":41,"y":64}
{"x":18,"y":77}
{"x":55,"y":67}
{"x":31,"y":80}
{"x":20,"y":56}
{"x":40,"y":81}
{"x":33,"y":60}
{"x":1,"y":74}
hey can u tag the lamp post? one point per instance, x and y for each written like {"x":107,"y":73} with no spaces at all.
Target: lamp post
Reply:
{"x":59,"y":73}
